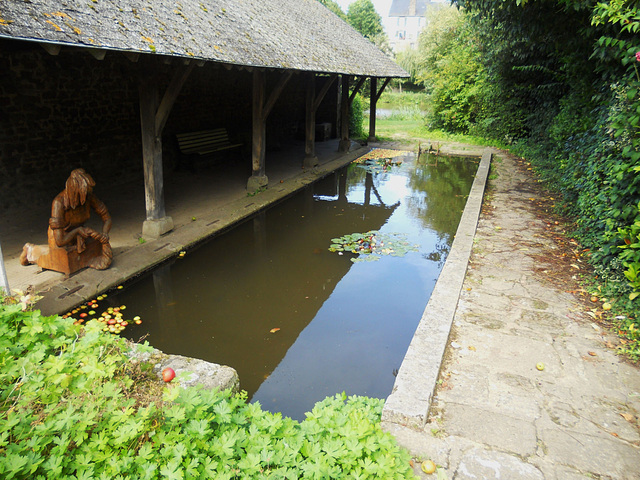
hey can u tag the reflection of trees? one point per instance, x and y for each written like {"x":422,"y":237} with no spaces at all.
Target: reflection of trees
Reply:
{"x":439,"y":255}
{"x":359,"y":178}
{"x":440,"y":193}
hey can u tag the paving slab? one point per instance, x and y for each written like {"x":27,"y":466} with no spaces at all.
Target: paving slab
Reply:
{"x":528,"y":386}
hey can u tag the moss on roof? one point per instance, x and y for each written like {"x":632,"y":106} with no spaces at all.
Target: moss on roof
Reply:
{"x":288,"y":34}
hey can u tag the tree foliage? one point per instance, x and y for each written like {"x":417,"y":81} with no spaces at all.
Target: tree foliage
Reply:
{"x":335,"y":8}
{"x":362,"y":16}
{"x":448,"y":65}
{"x":559,"y":79}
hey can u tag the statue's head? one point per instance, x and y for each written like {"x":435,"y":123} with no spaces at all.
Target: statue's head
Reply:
{"x":78,"y":186}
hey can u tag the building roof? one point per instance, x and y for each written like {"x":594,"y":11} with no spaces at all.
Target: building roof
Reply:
{"x":408,"y":8}
{"x":284,"y":34}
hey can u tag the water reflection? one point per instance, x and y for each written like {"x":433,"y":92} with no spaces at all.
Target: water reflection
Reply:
{"x":342,"y":326}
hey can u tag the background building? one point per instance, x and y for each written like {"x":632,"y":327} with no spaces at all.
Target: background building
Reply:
{"x":406,"y":19}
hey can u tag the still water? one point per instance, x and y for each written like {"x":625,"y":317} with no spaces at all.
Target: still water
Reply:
{"x":297,"y":321}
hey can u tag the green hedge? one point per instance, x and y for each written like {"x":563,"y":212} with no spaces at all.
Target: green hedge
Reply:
{"x":74,"y":406}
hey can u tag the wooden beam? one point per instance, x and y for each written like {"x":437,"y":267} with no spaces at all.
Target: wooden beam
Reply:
{"x":51,"y":48}
{"x":312,"y":104}
{"x":261,"y":110}
{"x":372,"y":109}
{"x":361,"y":80}
{"x":170,"y":95}
{"x":151,"y":148}
{"x":323,"y":91}
{"x":384,"y":85}
{"x":277,"y":90}
{"x":374,"y":96}
{"x":259,"y":128}
{"x":310,"y":159}
{"x":132,"y":56}
{"x":97,"y":53}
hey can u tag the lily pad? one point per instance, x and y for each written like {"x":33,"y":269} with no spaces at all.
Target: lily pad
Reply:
{"x":380,"y":160}
{"x":372,"y":245}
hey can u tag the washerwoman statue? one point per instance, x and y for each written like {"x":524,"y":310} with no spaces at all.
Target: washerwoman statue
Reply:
{"x":73,"y":246}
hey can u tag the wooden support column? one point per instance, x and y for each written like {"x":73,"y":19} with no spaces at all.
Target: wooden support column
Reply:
{"x":345,"y":106}
{"x":313,"y":103}
{"x":345,"y":143}
{"x":374,"y":97}
{"x":153,"y":117}
{"x":261,"y":110}
{"x":310,"y":159}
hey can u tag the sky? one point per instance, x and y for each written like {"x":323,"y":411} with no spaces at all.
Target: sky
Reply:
{"x":382,"y":6}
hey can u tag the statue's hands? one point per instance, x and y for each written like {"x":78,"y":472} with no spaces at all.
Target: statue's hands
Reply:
{"x":102,"y":237}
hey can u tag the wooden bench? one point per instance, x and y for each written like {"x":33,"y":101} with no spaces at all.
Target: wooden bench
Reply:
{"x":205,"y":142}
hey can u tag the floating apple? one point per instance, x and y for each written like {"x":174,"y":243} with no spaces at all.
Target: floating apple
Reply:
{"x":168,"y":374}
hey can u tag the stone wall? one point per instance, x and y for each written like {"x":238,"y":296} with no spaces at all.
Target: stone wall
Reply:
{"x":60,"y":112}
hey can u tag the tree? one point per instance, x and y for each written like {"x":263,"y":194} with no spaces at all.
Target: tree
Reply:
{"x":362,"y":16}
{"x":334,"y":7}
{"x":448,"y":64}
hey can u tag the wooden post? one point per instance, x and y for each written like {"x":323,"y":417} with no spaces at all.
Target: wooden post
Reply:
{"x":372,"y":109}
{"x":313,"y":103}
{"x":157,"y":222}
{"x":258,"y":178}
{"x":345,"y":143}
{"x":374,"y":97}
{"x":261,"y":110}
{"x":310,"y":159}
{"x":153,"y":117}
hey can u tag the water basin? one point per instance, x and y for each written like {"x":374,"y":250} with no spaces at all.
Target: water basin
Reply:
{"x":297,"y":321}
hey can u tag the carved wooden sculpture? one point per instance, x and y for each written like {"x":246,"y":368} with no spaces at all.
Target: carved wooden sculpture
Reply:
{"x":73,"y":246}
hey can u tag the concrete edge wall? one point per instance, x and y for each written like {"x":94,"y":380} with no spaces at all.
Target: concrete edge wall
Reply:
{"x":415,"y":383}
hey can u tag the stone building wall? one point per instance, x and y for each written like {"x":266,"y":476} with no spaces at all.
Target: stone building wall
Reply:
{"x":60,"y":112}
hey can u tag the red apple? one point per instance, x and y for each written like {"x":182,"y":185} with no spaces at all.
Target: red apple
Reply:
{"x":168,"y":374}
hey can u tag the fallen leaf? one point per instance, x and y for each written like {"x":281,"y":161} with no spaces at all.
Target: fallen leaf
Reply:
{"x":593,"y":354}
{"x":472,"y":348}
{"x":628,"y":417}
{"x":274,"y":330}
{"x":614,"y":434}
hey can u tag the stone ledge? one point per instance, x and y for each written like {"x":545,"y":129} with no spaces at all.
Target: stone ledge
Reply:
{"x":190,"y":372}
{"x":415,"y":383}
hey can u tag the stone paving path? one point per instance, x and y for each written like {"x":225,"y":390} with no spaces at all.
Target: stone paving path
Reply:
{"x":495,"y":415}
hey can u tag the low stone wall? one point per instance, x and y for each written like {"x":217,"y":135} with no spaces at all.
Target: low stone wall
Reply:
{"x":190,"y":372}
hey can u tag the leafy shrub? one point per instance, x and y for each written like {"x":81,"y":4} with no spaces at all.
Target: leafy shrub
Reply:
{"x":72,"y":405}
{"x":356,"y":117}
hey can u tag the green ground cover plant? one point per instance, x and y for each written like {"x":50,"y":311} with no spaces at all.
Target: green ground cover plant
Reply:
{"x":73,"y":404}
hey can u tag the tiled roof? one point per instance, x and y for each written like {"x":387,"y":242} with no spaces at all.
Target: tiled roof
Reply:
{"x":408,"y":8}
{"x":285,"y":34}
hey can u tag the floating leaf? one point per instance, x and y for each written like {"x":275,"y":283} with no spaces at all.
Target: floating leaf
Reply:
{"x":371,"y":245}
{"x":274,"y":330}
